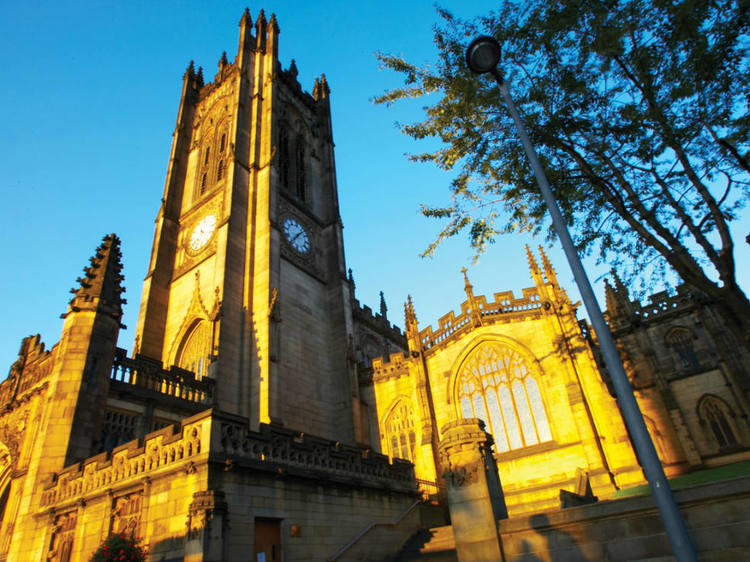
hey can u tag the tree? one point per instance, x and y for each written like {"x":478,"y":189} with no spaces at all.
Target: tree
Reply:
{"x":639,"y":110}
{"x":121,"y":547}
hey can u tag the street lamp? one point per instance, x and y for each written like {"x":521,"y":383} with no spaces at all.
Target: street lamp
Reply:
{"x":482,"y":57}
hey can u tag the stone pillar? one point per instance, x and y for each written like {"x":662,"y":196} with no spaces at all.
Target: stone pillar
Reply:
{"x":475,"y":497}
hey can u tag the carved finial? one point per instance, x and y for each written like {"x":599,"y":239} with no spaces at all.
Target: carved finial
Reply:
{"x":293,"y":70}
{"x":316,"y":89}
{"x":223,"y":60}
{"x":273,"y":25}
{"x":246,"y":19}
{"x":325,"y":91}
{"x":410,"y":318}
{"x":199,"y":77}
{"x":549,"y":271}
{"x":190,"y":69}
{"x":383,"y":307}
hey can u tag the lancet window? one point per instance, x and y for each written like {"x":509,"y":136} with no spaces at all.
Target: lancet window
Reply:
{"x":399,"y":429}
{"x":715,"y":414}
{"x":497,"y":386}
{"x":300,"y":180}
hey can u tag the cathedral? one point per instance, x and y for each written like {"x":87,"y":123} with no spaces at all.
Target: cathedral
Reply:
{"x":264,"y":413}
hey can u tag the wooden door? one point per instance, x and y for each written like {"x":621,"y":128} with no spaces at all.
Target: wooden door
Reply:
{"x":267,"y":540}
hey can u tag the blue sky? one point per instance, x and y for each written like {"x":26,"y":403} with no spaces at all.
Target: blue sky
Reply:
{"x":90,"y":99}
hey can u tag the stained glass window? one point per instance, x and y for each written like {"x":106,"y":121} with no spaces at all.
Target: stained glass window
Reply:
{"x":496,"y":385}
{"x":195,"y":349}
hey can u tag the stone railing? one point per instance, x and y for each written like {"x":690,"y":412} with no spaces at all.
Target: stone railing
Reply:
{"x":286,"y":451}
{"x":149,"y":374}
{"x":504,"y":304}
{"x":127,"y":463}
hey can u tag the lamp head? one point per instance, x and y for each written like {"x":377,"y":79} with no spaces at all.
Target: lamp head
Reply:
{"x":483,"y":54}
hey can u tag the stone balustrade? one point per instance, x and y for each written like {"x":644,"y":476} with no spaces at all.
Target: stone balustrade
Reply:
{"x":149,"y":374}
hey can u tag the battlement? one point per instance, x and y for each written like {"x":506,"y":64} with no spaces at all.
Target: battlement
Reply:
{"x":659,"y":305}
{"x":149,"y":374}
{"x":365,"y":314}
{"x":186,"y":448}
{"x":504,"y":307}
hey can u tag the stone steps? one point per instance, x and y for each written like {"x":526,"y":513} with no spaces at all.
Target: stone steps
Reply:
{"x":435,"y":544}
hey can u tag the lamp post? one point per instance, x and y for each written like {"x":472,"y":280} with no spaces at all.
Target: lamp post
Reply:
{"x":482,"y":57}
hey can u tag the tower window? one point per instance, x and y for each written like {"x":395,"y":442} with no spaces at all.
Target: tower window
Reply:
{"x":195,"y":350}
{"x":300,"y":175}
{"x":207,"y":155}
{"x":222,"y":143}
{"x":284,"y":158}
{"x":220,"y":170}
{"x":496,"y":385}
{"x":203,"y":183}
{"x":681,"y":340}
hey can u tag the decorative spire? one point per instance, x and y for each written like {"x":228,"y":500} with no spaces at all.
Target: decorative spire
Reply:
{"x":199,"y":77}
{"x":610,"y":298}
{"x":476,"y":316}
{"x":410,"y":318}
{"x":383,"y":307}
{"x":223,"y":61}
{"x":293,"y":70}
{"x":260,"y":30}
{"x":412,"y":328}
{"x":549,"y":271}
{"x":467,"y":286}
{"x":536,"y":274}
{"x":316,"y":89}
{"x":101,"y":289}
{"x":190,"y":71}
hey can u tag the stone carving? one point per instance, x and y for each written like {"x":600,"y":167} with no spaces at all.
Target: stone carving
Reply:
{"x":63,"y":532}
{"x":205,"y":505}
{"x":462,"y":475}
{"x":126,"y":514}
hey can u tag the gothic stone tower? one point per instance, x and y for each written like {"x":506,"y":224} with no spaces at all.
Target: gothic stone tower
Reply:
{"x":246,"y":282}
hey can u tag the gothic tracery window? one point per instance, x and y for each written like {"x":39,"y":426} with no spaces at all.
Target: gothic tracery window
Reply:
{"x":195,"y":350}
{"x":399,"y":429}
{"x":497,"y":386}
{"x":716,"y":415}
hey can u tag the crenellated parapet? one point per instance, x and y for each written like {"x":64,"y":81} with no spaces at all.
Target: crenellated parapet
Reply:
{"x":504,"y":308}
{"x":378,"y":322}
{"x":395,"y":365}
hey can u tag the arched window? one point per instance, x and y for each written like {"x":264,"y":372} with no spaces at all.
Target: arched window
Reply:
{"x":220,"y":170}
{"x":399,"y":431}
{"x":681,"y":340}
{"x":300,"y":171}
{"x":207,"y":155}
{"x":283,"y":157}
{"x":203,"y":183}
{"x":715,"y":414}
{"x":195,"y":350}
{"x":223,"y":142}
{"x":496,"y":385}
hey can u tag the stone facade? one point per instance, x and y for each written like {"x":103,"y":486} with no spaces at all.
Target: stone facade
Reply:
{"x":689,"y":373}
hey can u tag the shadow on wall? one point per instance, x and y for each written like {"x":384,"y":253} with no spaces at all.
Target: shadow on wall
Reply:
{"x":558,"y":545}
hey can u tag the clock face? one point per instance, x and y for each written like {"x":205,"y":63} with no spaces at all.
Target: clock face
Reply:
{"x":296,"y":236}
{"x":202,"y":232}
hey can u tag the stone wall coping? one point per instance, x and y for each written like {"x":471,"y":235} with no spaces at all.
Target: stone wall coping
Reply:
{"x":714,"y":491}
